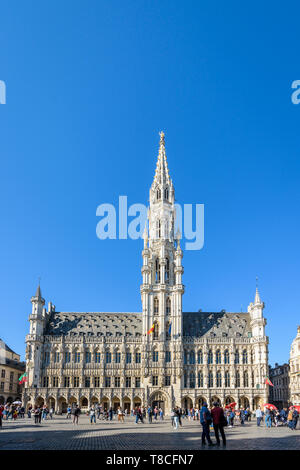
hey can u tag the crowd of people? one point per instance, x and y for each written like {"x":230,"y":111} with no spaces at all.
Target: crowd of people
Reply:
{"x":215,"y":418}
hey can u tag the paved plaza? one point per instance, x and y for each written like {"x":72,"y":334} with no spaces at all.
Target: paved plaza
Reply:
{"x":61,"y":434}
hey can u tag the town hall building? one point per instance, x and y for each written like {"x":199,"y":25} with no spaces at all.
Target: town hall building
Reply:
{"x":160,"y":356}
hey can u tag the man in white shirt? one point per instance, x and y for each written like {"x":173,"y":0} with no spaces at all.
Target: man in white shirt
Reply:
{"x":259,"y":415}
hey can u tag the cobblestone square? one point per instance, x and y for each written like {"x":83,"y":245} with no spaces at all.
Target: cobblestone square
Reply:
{"x":61,"y":434}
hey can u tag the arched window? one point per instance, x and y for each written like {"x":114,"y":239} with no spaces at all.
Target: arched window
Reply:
{"x":210,"y":379}
{"x":155,"y":356}
{"x":158,"y":194}
{"x":168,"y":333}
{"x":157,"y":270}
{"x":200,"y":379}
{"x":168,"y":305}
{"x":185,"y":355}
{"x":166,"y":193}
{"x":236,"y":357}
{"x":155,"y":331}
{"x":210,"y":357}
{"x":192,"y":357}
{"x":252,"y":379}
{"x":237,"y":380}
{"x":227,"y":379}
{"x":246,"y":381}
{"x":185,"y":380}
{"x":167,"y":271}
{"x":226,"y":357}
{"x":219,"y":379}
{"x":156,"y":305}
{"x":158,"y":229}
{"x":245,"y":357}
{"x":218,"y":356}
{"x":192,"y":380}
{"x":200,"y":357}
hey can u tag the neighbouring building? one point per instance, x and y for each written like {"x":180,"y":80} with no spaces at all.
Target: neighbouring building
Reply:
{"x":279,"y":394}
{"x":295,"y":370}
{"x":11,"y":368}
{"x":111,"y":358}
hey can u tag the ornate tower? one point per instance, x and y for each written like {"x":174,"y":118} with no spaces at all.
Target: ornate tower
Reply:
{"x":34,"y":340}
{"x":162,"y":287}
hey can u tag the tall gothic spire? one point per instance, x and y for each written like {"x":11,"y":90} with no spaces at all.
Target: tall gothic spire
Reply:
{"x":257,"y":297}
{"x":162,"y":177}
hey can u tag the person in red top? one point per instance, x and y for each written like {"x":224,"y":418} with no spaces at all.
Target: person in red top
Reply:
{"x":219,"y":419}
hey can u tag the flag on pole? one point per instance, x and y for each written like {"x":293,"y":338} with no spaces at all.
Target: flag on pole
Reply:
{"x":151,"y":329}
{"x":268,"y":381}
{"x":170,"y":328}
{"x":23,"y":378}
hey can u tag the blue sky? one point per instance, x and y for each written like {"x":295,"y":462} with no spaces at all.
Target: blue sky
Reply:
{"x":89,"y":86}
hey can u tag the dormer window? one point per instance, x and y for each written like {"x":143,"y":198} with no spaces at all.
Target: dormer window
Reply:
{"x":158,"y":194}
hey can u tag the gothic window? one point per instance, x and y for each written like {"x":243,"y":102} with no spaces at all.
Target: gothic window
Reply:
{"x":155,"y":331}
{"x":252,"y":379}
{"x":77,"y":357}
{"x":158,"y":194}
{"x":237,"y":380}
{"x":219,"y":379}
{"x":128,"y":358}
{"x":107,"y":382}
{"x":246,"y":381}
{"x":156,"y":305}
{"x":200,"y":379}
{"x":66,"y":381}
{"x":117,"y":357}
{"x":168,"y":356}
{"x":54,"y":381}
{"x":200,"y":357}
{"x":87,"y":381}
{"x":46,"y":358}
{"x":137,"y":382}
{"x":210,"y":357}
{"x":226,"y":357}
{"x":185,"y":356}
{"x":158,"y":229}
{"x":210,"y":379}
{"x":97,"y":357}
{"x":192,"y":357}
{"x":108,"y":357}
{"x":167,"y":380}
{"x":117,"y":381}
{"x":168,"y":305}
{"x":67,"y":356}
{"x":168,"y":335}
{"x":236,"y":357}
{"x":185,"y":380}
{"x":157,"y":271}
{"x":167,"y":271}
{"x":46,"y":382}
{"x":76,"y":381}
{"x":192,"y":380}
{"x":155,"y":356}
{"x":218,"y":356}
{"x":138,"y":357}
{"x":245,"y":357}
{"x":97,"y":382}
{"x":227,"y":379}
{"x":154,"y":380}
{"x":56,"y":357}
{"x":88,"y":357}
{"x":166,"y":193}
{"x":128,"y":382}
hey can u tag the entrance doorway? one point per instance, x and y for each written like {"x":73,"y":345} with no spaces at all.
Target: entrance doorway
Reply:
{"x":159,"y":404}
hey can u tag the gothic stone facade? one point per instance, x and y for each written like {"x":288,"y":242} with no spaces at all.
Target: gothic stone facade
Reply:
{"x":279,"y":393}
{"x":111,"y":358}
{"x":295,"y":370}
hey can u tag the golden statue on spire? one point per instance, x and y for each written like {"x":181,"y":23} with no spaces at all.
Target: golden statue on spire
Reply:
{"x":162,"y":136}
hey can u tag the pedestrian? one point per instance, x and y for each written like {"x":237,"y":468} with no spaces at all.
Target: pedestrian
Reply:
{"x":92,"y":414}
{"x":176,"y":417}
{"x":219,"y":421}
{"x":231,"y":417}
{"x":110,"y":414}
{"x":161,"y":414}
{"x":258,"y":414}
{"x":268,"y":419}
{"x":149,"y":412}
{"x":120,"y":415}
{"x":98,"y":410}
{"x":242,"y":416}
{"x":36,"y":415}
{"x":76,"y":412}
{"x":205,"y":420}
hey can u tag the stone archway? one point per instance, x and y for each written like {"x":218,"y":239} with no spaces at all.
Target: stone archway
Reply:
{"x":159,"y":399}
{"x":214,"y":399}
{"x":257,"y":401}
{"x":84,"y":403}
{"x":126,"y":404}
{"x":39,"y":401}
{"x":186,"y":403}
{"x":51,"y":402}
{"x":137,"y":401}
{"x":115,"y":403}
{"x":94,"y":400}
{"x":62,"y":405}
{"x":244,"y":402}
{"x":229,"y":399}
{"x":200,"y":401}
{"x":9,"y":400}
{"x":72,"y":401}
{"x":105,"y":403}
